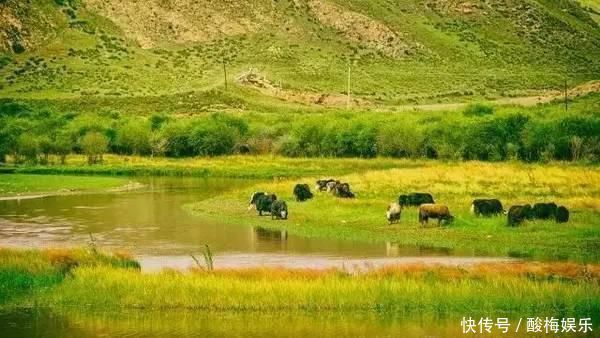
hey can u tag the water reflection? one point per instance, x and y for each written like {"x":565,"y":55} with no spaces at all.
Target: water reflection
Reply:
{"x":83,"y":324}
{"x":152,"y":224}
{"x":32,"y":324}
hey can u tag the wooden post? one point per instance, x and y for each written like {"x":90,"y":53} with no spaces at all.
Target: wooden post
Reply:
{"x":566,"y":97}
{"x":348,"y":90}
{"x":225,"y":74}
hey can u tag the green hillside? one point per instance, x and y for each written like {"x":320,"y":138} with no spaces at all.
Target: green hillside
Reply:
{"x":411,"y":51}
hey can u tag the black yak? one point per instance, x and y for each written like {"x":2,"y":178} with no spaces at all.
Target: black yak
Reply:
{"x":262,"y":201}
{"x":562,"y":215}
{"x":487,"y":207}
{"x":518,"y":213}
{"x":279,"y":210}
{"x":302,"y":192}
{"x":544,"y":210}
{"x":415,"y":199}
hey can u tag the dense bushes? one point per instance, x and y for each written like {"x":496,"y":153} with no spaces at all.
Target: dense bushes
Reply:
{"x":31,"y":135}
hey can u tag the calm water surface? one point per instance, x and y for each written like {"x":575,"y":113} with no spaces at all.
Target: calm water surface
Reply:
{"x":33,"y":324}
{"x":152,"y":224}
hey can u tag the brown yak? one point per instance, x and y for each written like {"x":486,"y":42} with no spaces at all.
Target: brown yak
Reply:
{"x":439,"y":211}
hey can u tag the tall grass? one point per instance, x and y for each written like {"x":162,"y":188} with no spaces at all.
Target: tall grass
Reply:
{"x":423,"y":289}
{"x":68,"y":278}
{"x":25,"y":271}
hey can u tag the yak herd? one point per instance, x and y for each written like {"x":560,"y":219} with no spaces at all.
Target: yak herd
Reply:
{"x":427,"y":208}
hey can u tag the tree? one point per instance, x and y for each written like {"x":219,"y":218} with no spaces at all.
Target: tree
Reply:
{"x":134,"y":137}
{"x":63,"y":145}
{"x":28,"y":146}
{"x":45,"y":148}
{"x":400,"y":140}
{"x":213,"y":138}
{"x":94,"y":145}
{"x":158,"y":144}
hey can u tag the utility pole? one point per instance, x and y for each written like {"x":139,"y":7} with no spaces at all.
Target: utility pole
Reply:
{"x":348,"y":91}
{"x":225,"y":73}
{"x":566,"y":97}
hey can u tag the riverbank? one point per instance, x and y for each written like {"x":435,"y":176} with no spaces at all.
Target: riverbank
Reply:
{"x":237,"y":166}
{"x":89,"y":280}
{"x":454,"y":184}
{"x":28,"y":186}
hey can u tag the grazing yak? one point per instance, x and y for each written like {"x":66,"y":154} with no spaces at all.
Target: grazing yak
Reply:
{"x":487,"y":207}
{"x":302,"y":192}
{"x":415,"y":199}
{"x":430,"y":210}
{"x":322,"y":184}
{"x":279,"y":210}
{"x":544,"y":210}
{"x":342,"y":190}
{"x":518,"y":213}
{"x":393,"y":213}
{"x":330,"y":186}
{"x":562,"y":214}
{"x":262,"y":201}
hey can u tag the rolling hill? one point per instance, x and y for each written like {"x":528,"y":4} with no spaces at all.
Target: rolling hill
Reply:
{"x":302,"y":51}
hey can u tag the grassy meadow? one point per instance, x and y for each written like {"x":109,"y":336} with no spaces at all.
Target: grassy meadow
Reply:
{"x":454,"y":184}
{"x":25,"y":184}
{"x":233,"y":166}
{"x":87,"y":279}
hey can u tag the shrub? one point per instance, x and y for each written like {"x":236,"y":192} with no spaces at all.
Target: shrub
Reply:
{"x":28,"y":146}
{"x":94,"y":145}
{"x":213,"y":138}
{"x":478,"y":109}
{"x":400,"y":140}
{"x":134,"y":137}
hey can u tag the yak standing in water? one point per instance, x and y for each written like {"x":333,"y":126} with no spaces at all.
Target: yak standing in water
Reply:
{"x":302,"y":192}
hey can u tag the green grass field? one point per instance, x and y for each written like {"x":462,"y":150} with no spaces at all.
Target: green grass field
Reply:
{"x":454,"y":184}
{"x":235,"y":166}
{"x":11,"y":185}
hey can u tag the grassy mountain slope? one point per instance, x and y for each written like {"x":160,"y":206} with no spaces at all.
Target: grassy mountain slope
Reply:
{"x":296,"y":50}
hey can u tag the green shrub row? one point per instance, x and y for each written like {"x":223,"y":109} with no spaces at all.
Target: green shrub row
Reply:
{"x":479,"y":133}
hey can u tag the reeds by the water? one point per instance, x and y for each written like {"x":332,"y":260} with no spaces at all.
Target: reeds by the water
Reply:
{"x":79,"y":278}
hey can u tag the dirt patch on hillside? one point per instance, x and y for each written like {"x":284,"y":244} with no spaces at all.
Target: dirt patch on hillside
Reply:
{"x":361,"y":29}
{"x":255,"y":80}
{"x":183,"y":21}
{"x":455,"y":6}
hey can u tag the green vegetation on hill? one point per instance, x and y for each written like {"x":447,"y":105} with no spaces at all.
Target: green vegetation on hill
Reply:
{"x":402,"y":51}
